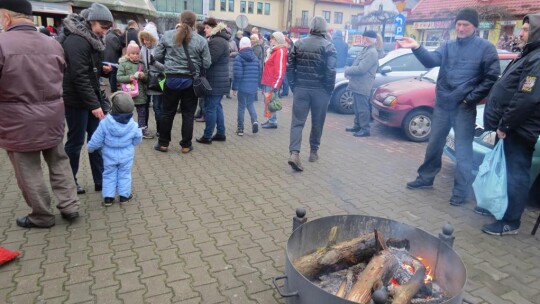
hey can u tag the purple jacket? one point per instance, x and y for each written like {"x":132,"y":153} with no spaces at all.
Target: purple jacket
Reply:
{"x":31,"y":72}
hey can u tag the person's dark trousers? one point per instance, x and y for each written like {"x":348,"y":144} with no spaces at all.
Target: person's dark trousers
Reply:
{"x":285,"y":86}
{"x":147,"y":110}
{"x":156,"y":104}
{"x":462,"y":119}
{"x":112,"y":80}
{"x":304,"y":100}
{"x":245,"y":100}
{"x":142,"y":114}
{"x":200,"y":109}
{"x":213,"y":115}
{"x":518,"y":154}
{"x":81,"y":123}
{"x":361,"y":111}
{"x":188,"y":102}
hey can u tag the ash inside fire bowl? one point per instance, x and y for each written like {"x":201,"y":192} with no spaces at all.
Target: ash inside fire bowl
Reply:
{"x":369,"y":269}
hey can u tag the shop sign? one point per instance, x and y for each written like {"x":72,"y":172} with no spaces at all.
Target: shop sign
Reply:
{"x":432,"y":25}
{"x":508,"y":22}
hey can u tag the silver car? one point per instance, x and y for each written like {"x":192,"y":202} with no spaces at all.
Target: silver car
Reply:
{"x":397,"y":64}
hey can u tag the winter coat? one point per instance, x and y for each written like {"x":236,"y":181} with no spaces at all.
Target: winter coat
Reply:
{"x":218,"y":73}
{"x":341,"y":49}
{"x":246,"y":72}
{"x":514,"y":100}
{"x":151,"y":66}
{"x":83,"y":51}
{"x":116,"y":140}
{"x":275,"y":67}
{"x":312,"y":63}
{"x":113,"y":48}
{"x":233,"y":49}
{"x":258,"y":49}
{"x":128,"y":68}
{"x":174,"y":58}
{"x":363,"y":70}
{"x":468,"y":69}
{"x":30,"y":90}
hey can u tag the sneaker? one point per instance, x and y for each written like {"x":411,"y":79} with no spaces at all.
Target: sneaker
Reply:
{"x":255,"y":127}
{"x":80,"y":189}
{"x":269,"y":125}
{"x":108,"y":201}
{"x":362,"y":133}
{"x":124,"y":199}
{"x":294,"y":162}
{"x":200,"y":119}
{"x":501,"y":228}
{"x":481,"y":211}
{"x":353,"y":129}
{"x":186,"y":149}
{"x":457,"y":201}
{"x":313,"y":156}
{"x":240,"y":131}
{"x":419,"y":184}
{"x":147,"y":134}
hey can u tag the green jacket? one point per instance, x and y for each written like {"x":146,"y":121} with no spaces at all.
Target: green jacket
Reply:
{"x":127,"y":69}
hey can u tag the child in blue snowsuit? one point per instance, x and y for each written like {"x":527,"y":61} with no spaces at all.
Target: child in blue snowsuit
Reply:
{"x":117,"y":135}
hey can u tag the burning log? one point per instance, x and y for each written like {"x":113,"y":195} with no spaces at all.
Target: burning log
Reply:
{"x":346,"y":284}
{"x":380,"y":268}
{"x":337,"y":256}
{"x":403,"y":294}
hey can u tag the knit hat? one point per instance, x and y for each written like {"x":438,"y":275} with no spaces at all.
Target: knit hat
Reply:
{"x":280,"y":38}
{"x":245,"y":42}
{"x":121,"y":103}
{"x":318,"y":25}
{"x":17,"y":6}
{"x":99,"y":12}
{"x":468,"y":14}
{"x":133,"y":47}
{"x":370,"y":34}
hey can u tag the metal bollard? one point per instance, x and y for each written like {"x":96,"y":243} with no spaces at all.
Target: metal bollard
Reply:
{"x":299,"y":219}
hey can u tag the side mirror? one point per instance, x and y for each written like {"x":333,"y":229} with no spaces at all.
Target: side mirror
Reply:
{"x":385,"y":70}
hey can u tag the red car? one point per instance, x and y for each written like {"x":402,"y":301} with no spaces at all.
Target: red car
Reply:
{"x":408,"y":103}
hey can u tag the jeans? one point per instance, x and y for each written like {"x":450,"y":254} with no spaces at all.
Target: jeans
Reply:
{"x":112,"y":80}
{"x":156,"y":104}
{"x":305,"y":100}
{"x":273,"y":118}
{"x":362,"y":115}
{"x":171,"y":99}
{"x":285,"y":86}
{"x":142,"y":114}
{"x":81,"y":122}
{"x":462,"y":119}
{"x":518,"y":153}
{"x":213,"y":114}
{"x":245,"y":100}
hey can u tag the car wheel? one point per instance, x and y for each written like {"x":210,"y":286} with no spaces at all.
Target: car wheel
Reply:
{"x":417,"y":125}
{"x":343,"y":101}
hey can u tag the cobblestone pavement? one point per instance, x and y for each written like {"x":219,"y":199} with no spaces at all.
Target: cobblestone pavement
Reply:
{"x":211,"y":226}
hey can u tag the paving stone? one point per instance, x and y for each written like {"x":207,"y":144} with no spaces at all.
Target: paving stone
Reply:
{"x":129,"y":282}
{"x":79,"y":292}
{"x":210,"y":293}
{"x":27,"y":284}
{"x":106,"y":295}
{"x":133,"y":297}
{"x":182,"y":291}
{"x":53,"y":289}
{"x":155,"y":286}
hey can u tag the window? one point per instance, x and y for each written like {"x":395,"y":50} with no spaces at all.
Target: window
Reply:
{"x":338,"y":17}
{"x":243,"y":7}
{"x":267,"y":8}
{"x":326,"y":16}
{"x":354,"y":19}
{"x":405,"y":63}
{"x":231,"y":5}
{"x":259,"y":8}
{"x":223,"y":5}
{"x":185,"y":5}
{"x":305,"y":18}
{"x":212,"y":5}
{"x":250,"y":7}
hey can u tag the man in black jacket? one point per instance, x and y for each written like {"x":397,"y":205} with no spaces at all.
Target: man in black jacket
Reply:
{"x":311,"y":70}
{"x":131,"y":34}
{"x":113,"y":52}
{"x":469,"y":66}
{"x":513,"y":110}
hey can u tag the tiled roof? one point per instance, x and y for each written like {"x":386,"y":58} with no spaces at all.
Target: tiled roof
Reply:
{"x":437,"y":9}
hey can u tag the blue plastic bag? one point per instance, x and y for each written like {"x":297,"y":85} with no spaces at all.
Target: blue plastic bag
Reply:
{"x":490,"y":187}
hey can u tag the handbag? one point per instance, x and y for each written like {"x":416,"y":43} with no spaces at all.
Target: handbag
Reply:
{"x":201,"y":86}
{"x":132,"y":88}
{"x":154,"y":77}
{"x":490,"y":187}
{"x":275,"y":104}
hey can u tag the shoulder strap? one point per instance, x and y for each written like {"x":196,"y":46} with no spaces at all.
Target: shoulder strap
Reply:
{"x":140,"y":67}
{"x":190,"y":63}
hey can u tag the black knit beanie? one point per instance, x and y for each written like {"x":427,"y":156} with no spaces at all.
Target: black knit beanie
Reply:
{"x":468,"y":14}
{"x":17,"y":6}
{"x":121,"y":103}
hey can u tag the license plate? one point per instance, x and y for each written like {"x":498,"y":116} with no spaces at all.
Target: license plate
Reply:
{"x":450,"y":143}
{"x":375,"y":112}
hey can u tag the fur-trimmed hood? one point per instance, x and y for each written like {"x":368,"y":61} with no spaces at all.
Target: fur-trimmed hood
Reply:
{"x":77,"y":25}
{"x":221,"y":30}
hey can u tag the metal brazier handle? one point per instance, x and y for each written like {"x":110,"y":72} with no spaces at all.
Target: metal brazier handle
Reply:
{"x":283,"y":294}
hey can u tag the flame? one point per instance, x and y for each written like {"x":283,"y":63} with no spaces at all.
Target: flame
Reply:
{"x":394,"y":282}
{"x":429,"y":272}
{"x":409,"y":268}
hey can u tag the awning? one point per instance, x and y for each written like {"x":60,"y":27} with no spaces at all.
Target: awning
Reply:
{"x":51,"y":8}
{"x":144,"y":7}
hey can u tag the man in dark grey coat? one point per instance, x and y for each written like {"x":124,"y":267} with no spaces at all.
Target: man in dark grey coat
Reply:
{"x":469,"y":66}
{"x":361,"y":75}
{"x":311,"y":70}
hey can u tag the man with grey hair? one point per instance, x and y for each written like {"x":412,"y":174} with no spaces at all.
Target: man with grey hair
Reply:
{"x":361,"y":75}
{"x":311,"y":70}
{"x":32,"y":121}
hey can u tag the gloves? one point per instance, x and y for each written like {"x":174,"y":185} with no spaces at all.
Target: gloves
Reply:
{"x":136,"y":75}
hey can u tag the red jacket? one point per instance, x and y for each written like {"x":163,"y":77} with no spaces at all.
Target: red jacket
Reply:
{"x":275,"y":68}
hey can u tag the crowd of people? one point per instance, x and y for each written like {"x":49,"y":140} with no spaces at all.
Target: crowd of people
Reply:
{"x":62,"y":84}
